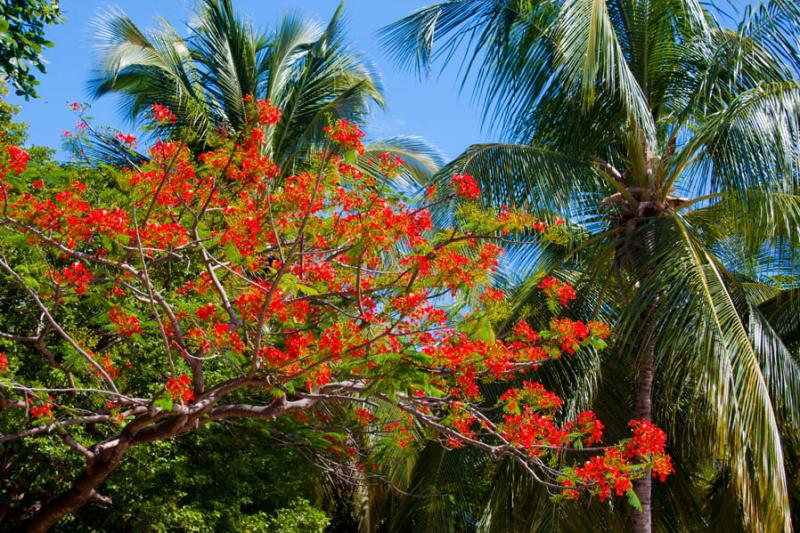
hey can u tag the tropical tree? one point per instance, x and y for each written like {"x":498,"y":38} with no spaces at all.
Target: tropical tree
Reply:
{"x":669,"y":144}
{"x":200,"y":289}
{"x":306,"y":70}
{"x":22,"y":27}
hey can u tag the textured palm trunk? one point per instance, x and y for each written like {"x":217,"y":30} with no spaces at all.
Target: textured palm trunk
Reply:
{"x":642,"y":521}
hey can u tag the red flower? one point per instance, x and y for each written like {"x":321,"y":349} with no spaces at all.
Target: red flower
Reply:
{"x":647,"y":438}
{"x":43,"y":409}
{"x":525,"y":332}
{"x":267,"y":113}
{"x":346,"y":134}
{"x":128,"y":139}
{"x":569,"y":333}
{"x":492,"y":295}
{"x":599,"y":329}
{"x":163,"y":115}
{"x":206,"y":312}
{"x":389,"y":164}
{"x":180,"y":389}
{"x":557,"y":290}
{"x":365,"y":416}
{"x":588,"y":426}
{"x":274,"y":356}
{"x":466,"y":187}
{"x":126,"y":324}
{"x":18,"y":159}
{"x":622,"y":484}
{"x":76,"y":275}
{"x":3,"y":363}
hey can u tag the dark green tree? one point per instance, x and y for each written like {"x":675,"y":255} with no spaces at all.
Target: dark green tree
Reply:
{"x":22,"y":40}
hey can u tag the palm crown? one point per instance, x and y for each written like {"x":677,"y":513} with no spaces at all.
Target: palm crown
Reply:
{"x":302,"y":68}
{"x":667,"y":141}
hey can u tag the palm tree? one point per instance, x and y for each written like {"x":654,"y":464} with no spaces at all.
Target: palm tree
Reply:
{"x":671,"y":145}
{"x":305,"y":69}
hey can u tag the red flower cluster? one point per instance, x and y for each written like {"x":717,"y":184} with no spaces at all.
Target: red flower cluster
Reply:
{"x":533,"y":395}
{"x":128,"y":139}
{"x":268,"y":114}
{"x":650,"y":442}
{"x":557,"y":290}
{"x":126,"y":324}
{"x":569,"y":333}
{"x":206,"y":312}
{"x":108,"y":366}
{"x":181,"y":388}
{"x":462,"y":422}
{"x":492,"y":295}
{"x":76,"y":275}
{"x":588,"y":426}
{"x":42,"y":409}
{"x":525,"y":333}
{"x":604,"y":473}
{"x":226,"y":338}
{"x":598,"y":329}
{"x":163,"y":115}
{"x":389,"y":164}
{"x":466,"y":187}
{"x":365,"y":416}
{"x":347,"y":135}
{"x":3,"y":363}
{"x":18,"y":159}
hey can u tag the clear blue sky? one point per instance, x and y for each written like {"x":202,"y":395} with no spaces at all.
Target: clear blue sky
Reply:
{"x":431,"y":108}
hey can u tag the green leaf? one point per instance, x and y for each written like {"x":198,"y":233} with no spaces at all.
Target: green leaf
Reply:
{"x":164,"y":403}
{"x":308,"y":289}
{"x":232,"y":252}
{"x":484,"y":331}
{"x":633,"y":499}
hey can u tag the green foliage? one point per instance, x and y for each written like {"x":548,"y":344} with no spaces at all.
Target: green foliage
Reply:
{"x":210,"y":481}
{"x":617,"y":104}
{"x":299,"y":517}
{"x":305,"y":69}
{"x":22,"y":29}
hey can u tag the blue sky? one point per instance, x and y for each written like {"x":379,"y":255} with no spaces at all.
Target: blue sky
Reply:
{"x":432,"y":108}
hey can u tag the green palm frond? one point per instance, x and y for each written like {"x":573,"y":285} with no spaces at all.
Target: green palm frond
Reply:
{"x":591,"y":56}
{"x":421,"y":161}
{"x":774,"y":24}
{"x":730,"y":367}
{"x":306,"y":70}
{"x":750,"y":143}
{"x":516,"y":175}
{"x":227,"y":48}
{"x":148,"y":69}
{"x":754,"y":231}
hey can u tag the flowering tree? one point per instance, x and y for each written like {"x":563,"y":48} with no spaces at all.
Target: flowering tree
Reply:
{"x":207,"y":290}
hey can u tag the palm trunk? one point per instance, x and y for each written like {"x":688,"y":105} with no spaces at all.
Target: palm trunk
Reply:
{"x":642,"y":521}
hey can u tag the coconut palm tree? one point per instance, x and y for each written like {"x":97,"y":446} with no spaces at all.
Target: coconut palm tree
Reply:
{"x":306,"y":70}
{"x":671,"y":145}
